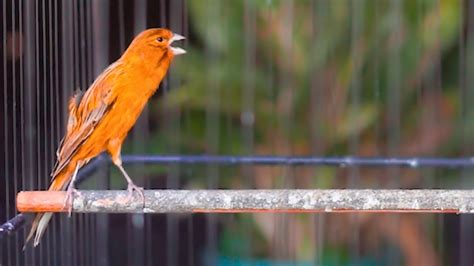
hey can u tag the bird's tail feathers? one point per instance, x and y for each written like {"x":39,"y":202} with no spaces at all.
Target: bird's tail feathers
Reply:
{"x":38,"y":227}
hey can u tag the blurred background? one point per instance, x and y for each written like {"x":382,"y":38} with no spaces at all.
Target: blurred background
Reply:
{"x":267,"y":77}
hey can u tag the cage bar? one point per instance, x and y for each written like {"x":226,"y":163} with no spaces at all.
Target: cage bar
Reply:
{"x":237,"y":201}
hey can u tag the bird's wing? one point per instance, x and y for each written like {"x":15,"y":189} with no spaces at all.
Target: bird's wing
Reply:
{"x":73,"y":104}
{"x":85,"y":114}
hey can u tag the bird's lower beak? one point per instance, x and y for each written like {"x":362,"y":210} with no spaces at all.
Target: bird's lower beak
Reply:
{"x":176,"y":50}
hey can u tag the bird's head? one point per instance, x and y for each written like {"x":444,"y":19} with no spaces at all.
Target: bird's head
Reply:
{"x":155,"y":44}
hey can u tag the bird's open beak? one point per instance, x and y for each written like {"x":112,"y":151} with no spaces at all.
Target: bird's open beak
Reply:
{"x":176,"y":50}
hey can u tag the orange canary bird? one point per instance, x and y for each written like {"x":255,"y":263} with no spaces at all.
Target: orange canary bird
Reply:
{"x":100,"y":118}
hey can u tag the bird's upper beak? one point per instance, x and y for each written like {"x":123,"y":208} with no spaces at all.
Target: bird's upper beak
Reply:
{"x":176,"y":50}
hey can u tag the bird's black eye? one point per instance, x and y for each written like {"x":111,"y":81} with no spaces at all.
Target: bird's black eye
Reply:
{"x":160,"y":39}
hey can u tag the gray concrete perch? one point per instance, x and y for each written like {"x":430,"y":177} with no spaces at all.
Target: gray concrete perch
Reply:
{"x":233,"y":201}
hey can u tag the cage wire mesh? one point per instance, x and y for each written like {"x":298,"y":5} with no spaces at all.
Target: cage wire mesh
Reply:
{"x":294,"y":78}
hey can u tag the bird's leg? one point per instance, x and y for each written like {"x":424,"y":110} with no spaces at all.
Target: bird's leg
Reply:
{"x":131,"y":186}
{"x":71,"y":190}
{"x":114,"y":147}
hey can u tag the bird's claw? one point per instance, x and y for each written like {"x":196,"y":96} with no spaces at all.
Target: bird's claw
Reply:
{"x":68,"y":201}
{"x":134,"y":188}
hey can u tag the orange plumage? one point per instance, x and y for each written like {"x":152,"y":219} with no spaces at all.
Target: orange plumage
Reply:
{"x":100,"y":118}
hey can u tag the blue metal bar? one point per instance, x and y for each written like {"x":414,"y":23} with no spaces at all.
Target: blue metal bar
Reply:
{"x":12,"y":225}
{"x":346,"y":161}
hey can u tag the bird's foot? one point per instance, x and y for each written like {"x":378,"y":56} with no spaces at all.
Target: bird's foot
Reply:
{"x":134,"y":188}
{"x":68,"y":201}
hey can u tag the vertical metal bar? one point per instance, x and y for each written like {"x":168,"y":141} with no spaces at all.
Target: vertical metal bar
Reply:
{"x":100,"y":45}
{"x":67,"y":86}
{"x":190,"y":224}
{"x":285,"y":109}
{"x":76,"y":219}
{"x":6,"y":119}
{"x":248,"y":113}
{"x":136,"y":232}
{"x":357,"y":24}
{"x":53,"y":96}
{"x":38,"y":111}
{"x":212,"y":124}
{"x":394,"y":88}
{"x":15,"y":122}
{"x":173,"y":126}
{"x":394,"y":104}
{"x":121,"y":18}
{"x":84,"y":229}
{"x":357,"y":30}
{"x":377,"y":20}
{"x":45,"y":113}
{"x":466,"y":231}
{"x":320,"y":19}
{"x":271,"y":92}
{"x":30,"y":84}
{"x":22,"y":109}
{"x":100,"y":20}
{"x":436,"y":81}
{"x":170,"y":221}
{"x":92,"y":221}
{"x":465,"y":25}
{"x":4,"y":125}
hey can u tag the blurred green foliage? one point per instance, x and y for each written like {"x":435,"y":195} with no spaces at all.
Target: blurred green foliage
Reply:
{"x":317,"y":71}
